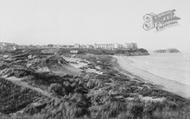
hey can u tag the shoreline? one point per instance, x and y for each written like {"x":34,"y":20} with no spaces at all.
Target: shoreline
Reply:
{"x":172,"y":86}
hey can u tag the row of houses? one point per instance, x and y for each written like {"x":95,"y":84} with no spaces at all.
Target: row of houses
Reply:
{"x":113,"y":46}
{"x":108,"y":46}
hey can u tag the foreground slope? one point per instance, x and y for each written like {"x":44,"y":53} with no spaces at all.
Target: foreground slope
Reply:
{"x":99,"y":90}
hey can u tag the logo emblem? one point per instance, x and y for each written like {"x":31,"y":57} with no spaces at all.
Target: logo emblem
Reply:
{"x":159,"y":21}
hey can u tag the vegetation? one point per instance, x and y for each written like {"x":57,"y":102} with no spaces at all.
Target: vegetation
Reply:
{"x":111,"y":94}
{"x":14,"y":98}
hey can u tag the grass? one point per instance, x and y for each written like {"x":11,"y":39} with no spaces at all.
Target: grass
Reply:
{"x":91,"y":96}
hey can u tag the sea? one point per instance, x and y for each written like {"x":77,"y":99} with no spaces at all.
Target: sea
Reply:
{"x":172,"y":66}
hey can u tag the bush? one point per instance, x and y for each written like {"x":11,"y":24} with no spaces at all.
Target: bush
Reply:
{"x":57,"y":89}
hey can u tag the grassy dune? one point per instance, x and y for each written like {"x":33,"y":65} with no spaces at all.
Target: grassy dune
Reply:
{"x":88,"y":95}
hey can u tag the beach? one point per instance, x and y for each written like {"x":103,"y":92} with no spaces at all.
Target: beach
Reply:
{"x":152,"y":73}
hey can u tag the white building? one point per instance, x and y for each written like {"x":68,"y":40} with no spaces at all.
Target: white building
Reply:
{"x":132,"y":46}
{"x":119,"y":46}
{"x":109,"y":46}
{"x":74,"y":51}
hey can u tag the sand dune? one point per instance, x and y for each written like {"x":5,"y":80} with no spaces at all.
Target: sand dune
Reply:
{"x":169,"y":85}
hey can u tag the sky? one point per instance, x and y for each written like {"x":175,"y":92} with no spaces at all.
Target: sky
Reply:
{"x":41,"y":22}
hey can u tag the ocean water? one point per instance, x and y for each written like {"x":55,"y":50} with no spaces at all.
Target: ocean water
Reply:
{"x":172,"y":66}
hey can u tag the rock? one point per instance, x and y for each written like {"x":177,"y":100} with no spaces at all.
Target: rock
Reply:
{"x":170,"y":50}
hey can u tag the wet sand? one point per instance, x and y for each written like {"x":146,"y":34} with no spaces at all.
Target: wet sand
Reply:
{"x":164,"y":83}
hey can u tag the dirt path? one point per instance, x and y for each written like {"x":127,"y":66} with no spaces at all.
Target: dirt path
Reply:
{"x":18,"y":82}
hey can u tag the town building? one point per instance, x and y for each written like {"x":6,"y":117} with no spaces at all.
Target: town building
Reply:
{"x":74,"y":51}
{"x":109,"y":46}
{"x":131,"y":46}
{"x":119,"y":46}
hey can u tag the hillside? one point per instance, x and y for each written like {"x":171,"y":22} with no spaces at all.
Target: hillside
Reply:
{"x":35,"y":85}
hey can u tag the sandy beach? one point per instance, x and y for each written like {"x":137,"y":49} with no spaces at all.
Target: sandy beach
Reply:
{"x":166,"y":84}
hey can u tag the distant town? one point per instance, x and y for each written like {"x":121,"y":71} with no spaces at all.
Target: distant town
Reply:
{"x":130,"y":49}
{"x":107,"y":46}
